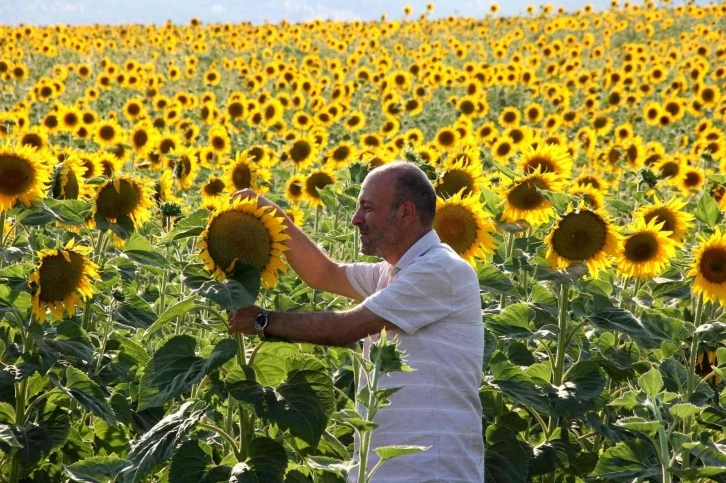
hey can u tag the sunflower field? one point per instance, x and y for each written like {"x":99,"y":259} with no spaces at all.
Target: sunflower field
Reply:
{"x":580,"y":163}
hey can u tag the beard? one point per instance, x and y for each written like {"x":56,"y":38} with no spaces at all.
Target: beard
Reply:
{"x":379,"y":240}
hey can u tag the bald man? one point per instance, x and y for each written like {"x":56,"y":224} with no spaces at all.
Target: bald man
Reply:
{"x":424,"y":294}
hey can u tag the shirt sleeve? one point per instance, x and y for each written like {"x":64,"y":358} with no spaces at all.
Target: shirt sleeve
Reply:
{"x":421,"y":294}
{"x":363,"y":277}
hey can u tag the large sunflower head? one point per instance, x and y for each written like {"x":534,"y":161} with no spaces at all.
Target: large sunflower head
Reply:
{"x":549,"y":158}
{"x":185,"y":166}
{"x":460,"y":176}
{"x":108,"y":132}
{"x":592,"y":197}
{"x":302,"y":152}
{"x":295,"y":188}
{"x":646,"y":251}
{"x":124,"y":196}
{"x":339,"y":156}
{"x":24,"y":174}
{"x":709,"y":268}
{"x":62,"y":280}
{"x":317,"y":180}
{"x":524,"y":201}
{"x":143,"y":138}
{"x":219,"y":140}
{"x":582,"y":235}
{"x":242,"y":230}
{"x":462,"y":223}
{"x":671,"y":214}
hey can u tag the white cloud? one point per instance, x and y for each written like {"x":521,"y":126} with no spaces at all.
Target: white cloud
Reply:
{"x":303,"y":11}
{"x":217,"y":8}
{"x":68,"y":7}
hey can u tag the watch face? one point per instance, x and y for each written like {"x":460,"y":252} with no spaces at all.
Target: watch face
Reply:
{"x":261,"y":321}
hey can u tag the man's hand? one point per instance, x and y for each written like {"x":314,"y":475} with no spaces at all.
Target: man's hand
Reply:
{"x":262,"y":201}
{"x":243,"y":320}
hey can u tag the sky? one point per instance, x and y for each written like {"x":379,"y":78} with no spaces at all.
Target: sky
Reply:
{"x":44,"y":12}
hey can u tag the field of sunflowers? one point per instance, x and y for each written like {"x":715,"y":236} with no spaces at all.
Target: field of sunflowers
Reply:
{"x":580,"y":163}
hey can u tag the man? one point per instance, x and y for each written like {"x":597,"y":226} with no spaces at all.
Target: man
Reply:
{"x":424,"y":294}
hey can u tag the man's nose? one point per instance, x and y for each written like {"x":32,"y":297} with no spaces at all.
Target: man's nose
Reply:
{"x":357,"y":218}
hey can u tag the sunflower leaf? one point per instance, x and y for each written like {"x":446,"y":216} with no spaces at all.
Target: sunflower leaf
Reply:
{"x":707,"y":211}
{"x":192,"y":225}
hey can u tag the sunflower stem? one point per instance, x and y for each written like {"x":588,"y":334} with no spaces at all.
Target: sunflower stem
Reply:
{"x":241,"y":359}
{"x":561,"y":344}
{"x":507,"y":255}
{"x":317,"y":218}
{"x":2,"y":229}
{"x":691,"y":379}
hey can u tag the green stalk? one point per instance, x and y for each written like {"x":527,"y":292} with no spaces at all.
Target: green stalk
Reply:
{"x":691,"y":378}
{"x":507,"y":254}
{"x":662,"y":445}
{"x":241,"y":358}
{"x":365,"y":441}
{"x":2,"y":229}
{"x":317,"y":218}
{"x":561,"y":344}
{"x":20,"y":392}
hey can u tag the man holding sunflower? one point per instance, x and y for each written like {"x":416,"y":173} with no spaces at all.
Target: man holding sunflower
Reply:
{"x":424,"y":294}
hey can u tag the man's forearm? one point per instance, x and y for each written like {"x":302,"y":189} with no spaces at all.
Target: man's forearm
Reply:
{"x":305,"y":257}
{"x":336,"y":328}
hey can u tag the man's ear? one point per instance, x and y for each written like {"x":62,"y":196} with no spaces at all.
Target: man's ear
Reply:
{"x":408,"y":212}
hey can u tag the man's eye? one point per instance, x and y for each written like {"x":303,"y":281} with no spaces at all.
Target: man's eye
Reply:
{"x":368,"y":210}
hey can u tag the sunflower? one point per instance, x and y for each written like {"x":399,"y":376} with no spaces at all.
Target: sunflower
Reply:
{"x":547,"y":158}
{"x":296,"y":215}
{"x":462,"y":223}
{"x":646,"y":251}
{"x":124,"y":196}
{"x":219,"y":140}
{"x":62,"y":280}
{"x":24,"y":174}
{"x":164,"y":189}
{"x":671,"y":214}
{"x":355,"y":121}
{"x":503,"y":149}
{"x":143,"y":138}
{"x":34,"y":137}
{"x":692,"y":178}
{"x":68,"y":181}
{"x":185,"y":166}
{"x":582,"y":235}
{"x":302,"y":152}
{"x":709,"y":268}
{"x":522,"y":200}
{"x":107,"y":133}
{"x":242,"y":230}
{"x":70,"y":119}
{"x":317,"y":180}
{"x":294,"y":190}
{"x":510,"y":116}
{"x":214,"y":193}
{"x":243,"y":173}
{"x":459,"y":177}
{"x":339,"y":156}
{"x":446,"y":139}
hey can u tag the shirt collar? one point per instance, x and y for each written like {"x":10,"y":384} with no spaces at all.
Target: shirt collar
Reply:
{"x":417,"y":249}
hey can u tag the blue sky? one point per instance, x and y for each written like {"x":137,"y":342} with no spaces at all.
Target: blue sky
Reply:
{"x":180,"y":11}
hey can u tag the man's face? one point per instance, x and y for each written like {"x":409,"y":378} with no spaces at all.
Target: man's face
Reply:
{"x":376,"y":221}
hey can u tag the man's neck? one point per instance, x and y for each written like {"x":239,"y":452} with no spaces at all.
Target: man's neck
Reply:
{"x":405,"y":246}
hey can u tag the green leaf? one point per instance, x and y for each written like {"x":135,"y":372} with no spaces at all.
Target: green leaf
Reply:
{"x":87,"y":393}
{"x":639,"y":424}
{"x":70,"y":340}
{"x":267,"y":463}
{"x":192,"y":225}
{"x":621,"y":320}
{"x":7,"y":413}
{"x":192,"y":463}
{"x":302,"y":404}
{"x":515,"y":322}
{"x":97,"y":469}
{"x":174,"y":311}
{"x":140,"y":250}
{"x":684,"y":410}
{"x":628,"y":460}
{"x":269,"y":362}
{"x":175,"y":367}
{"x":513,"y":382}
{"x":8,"y":437}
{"x":240,"y":289}
{"x":707,"y":210}
{"x":651,"y":382}
{"x":493,"y":280}
{"x":386,"y":453}
{"x":132,"y":349}
{"x":506,"y":458}
{"x":133,"y":312}
{"x":158,"y":444}
{"x":36,"y":444}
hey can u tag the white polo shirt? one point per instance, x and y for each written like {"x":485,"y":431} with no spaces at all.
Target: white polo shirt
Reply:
{"x":432,"y":296}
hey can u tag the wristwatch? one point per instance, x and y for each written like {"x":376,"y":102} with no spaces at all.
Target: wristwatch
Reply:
{"x":261,"y":323}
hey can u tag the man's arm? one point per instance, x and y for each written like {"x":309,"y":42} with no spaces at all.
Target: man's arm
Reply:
{"x":308,"y":259}
{"x":332,"y":328}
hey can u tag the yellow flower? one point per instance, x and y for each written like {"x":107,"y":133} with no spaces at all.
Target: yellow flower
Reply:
{"x":462,"y":223}
{"x":548,"y":158}
{"x":243,"y":231}
{"x":671,"y":214}
{"x":124,"y":197}
{"x":315,"y":181}
{"x":523,"y":201}
{"x":460,"y":177}
{"x":244,"y":173}
{"x":62,"y":280}
{"x":582,"y":235}
{"x":24,"y":174}
{"x":709,"y":268}
{"x":646,"y":251}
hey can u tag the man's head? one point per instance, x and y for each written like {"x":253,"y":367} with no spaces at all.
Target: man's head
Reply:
{"x":396,"y":205}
